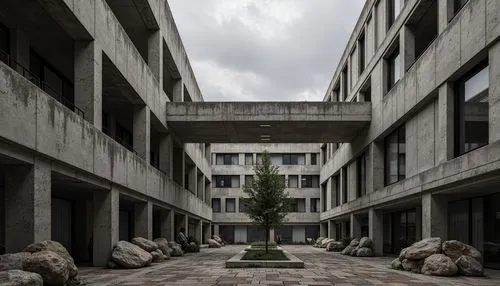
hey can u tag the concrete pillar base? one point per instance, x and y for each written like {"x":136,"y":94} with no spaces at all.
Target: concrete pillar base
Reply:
{"x":106,"y":225}
{"x":375,"y":229}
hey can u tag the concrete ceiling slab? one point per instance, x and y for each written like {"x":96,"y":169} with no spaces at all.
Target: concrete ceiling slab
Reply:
{"x":267,"y":122}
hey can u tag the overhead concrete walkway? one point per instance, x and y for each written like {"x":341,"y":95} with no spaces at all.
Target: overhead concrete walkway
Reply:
{"x":268,"y":122}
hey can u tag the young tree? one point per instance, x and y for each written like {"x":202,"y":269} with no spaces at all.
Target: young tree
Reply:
{"x":267,"y":205}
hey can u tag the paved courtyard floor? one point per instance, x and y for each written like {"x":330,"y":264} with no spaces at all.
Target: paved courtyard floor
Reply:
{"x":321,"y":268}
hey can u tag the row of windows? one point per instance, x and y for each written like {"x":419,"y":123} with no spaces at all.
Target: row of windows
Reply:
{"x":276,"y":158}
{"x":233,"y":181}
{"x":295,"y":205}
{"x":422,"y":26}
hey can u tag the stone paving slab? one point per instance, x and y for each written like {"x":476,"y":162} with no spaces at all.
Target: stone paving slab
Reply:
{"x":321,"y":268}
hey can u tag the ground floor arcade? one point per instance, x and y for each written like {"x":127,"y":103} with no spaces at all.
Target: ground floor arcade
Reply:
{"x":247,"y":233}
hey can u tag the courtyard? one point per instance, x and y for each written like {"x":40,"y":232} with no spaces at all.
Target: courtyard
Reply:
{"x":321,"y":268}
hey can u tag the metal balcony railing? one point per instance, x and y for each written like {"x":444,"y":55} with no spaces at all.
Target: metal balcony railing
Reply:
{"x":26,"y":73}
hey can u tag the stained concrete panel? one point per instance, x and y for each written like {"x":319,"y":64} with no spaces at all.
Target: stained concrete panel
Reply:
{"x":472,"y":29}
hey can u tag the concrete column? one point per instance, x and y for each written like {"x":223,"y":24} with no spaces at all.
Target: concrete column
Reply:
{"x":332,"y":229}
{"x":434,"y":216}
{"x":445,"y":10}
{"x":216,"y":229}
{"x":375,"y":230}
{"x":143,"y":220}
{"x":166,"y":154}
{"x":142,"y":131}
{"x":494,"y":93}
{"x":208,"y":193}
{"x":355,"y":226}
{"x":344,"y":229}
{"x":27,"y":204}
{"x":106,"y":206}
{"x":308,"y":205}
{"x":167,"y":228}
{"x":200,"y":190}
{"x":155,"y":56}
{"x":333,"y":190}
{"x":199,"y":231}
{"x":351,"y":177}
{"x":179,"y":91}
{"x":446,"y":125}
{"x":323,"y":229}
{"x":343,"y":186}
{"x":186,"y":224}
{"x":206,"y":232}
{"x":88,"y":81}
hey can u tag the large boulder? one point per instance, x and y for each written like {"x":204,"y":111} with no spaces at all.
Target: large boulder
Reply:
{"x":412,"y":265}
{"x":324,"y":242}
{"x":163,"y":246}
{"x":364,"y":252}
{"x":177,"y":250}
{"x":354,"y":251}
{"x":157,"y":256}
{"x":58,"y":248}
{"x":469,"y":266}
{"x":365,"y":242}
{"x":50,"y":265}
{"x":129,"y":255}
{"x":335,"y":246}
{"x":348,"y":250}
{"x":402,"y":254}
{"x":454,"y":249}
{"x":212,"y":243}
{"x":17,"y":277}
{"x":424,"y":248}
{"x":217,"y":238}
{"x":145,"y":244}
{"x":319,"y":240}
{"x":12,"y":261}
{"x":439,"y":265}
{"x":354,"y":242}
{"x":396,"y":264}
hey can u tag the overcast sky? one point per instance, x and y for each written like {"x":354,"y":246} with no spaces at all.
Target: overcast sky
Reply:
{"x":266,"y":50}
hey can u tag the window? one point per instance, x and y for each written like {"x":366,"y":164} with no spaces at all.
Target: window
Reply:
{"x":458,"y":5}
{"x":393,"y":63}
{"x":4,"y":42}
{"x":395,"y":156}
{"x":336,"y":178}
{"x":242,"y":205}
{"x":297,"y":205}
{"x":315,"y":205}
{"x":230,"y":205}
{"x":423,"y":24}
{"x":394,"y":8}
{"x":344,"y":83}
{"x":293,"y":181}
{"x":226,"y":181}
{"x":345,"y":185}
{"x":324,"y":206}
{"x":361,"y":53}
{"x":293,"y":159}
{"x":310,"y":181}
{"x":227,"y":159}
{"x":471,"y":110}
{"x":216,"y":205}
{"x":248,"y":179}
{"x":323,"y":154}
{"x":249,"y":159}
{"x":361,"y":175}
{"x":314,"y":159}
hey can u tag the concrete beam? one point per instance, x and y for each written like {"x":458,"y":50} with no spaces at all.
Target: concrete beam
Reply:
{"x":286,"y":122}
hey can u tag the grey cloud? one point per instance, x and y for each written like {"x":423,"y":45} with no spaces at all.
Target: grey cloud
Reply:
{"x":302,"y":61}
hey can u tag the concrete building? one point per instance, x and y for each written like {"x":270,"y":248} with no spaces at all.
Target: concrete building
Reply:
{"x":428,"y":163}
{"x":104,"y":134}
{"x":232,"y":167}
{"x":86,"y":155}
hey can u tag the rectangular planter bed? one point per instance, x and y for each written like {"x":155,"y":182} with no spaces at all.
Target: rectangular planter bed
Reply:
{"x":237,"y":262}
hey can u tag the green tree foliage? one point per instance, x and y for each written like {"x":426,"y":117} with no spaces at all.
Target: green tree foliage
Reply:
{"x":267,"y":205}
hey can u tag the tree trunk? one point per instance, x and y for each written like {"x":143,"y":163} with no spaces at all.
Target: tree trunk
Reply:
{"x":267,"y":239}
